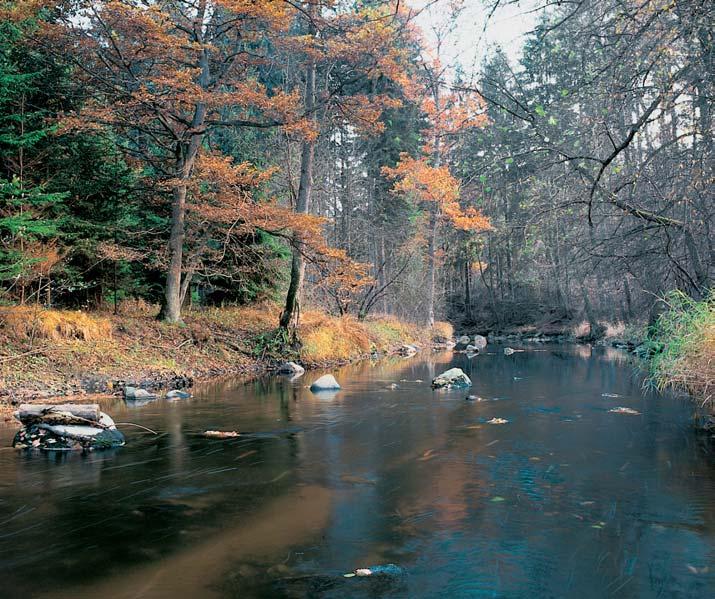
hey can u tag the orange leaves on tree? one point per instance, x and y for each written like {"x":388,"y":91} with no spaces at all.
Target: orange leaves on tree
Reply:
{"x":418,"y":180}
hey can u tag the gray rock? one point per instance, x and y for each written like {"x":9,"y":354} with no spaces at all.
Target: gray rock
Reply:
{"x":325,"y":383}
{"x":472,"y":349}
{"x":136,"y":393}
{"x":480,"y":342}
{"x":178,"y":394}
{"x":407,"y":350}
{"x":291,"y":368}
{"x":508,"y":351}
{"x":452,"y":379}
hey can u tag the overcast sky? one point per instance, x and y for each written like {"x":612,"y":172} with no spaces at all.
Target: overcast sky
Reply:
{"x":469,"y":43}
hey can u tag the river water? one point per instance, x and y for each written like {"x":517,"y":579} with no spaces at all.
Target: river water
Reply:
{"x":564,"y":499}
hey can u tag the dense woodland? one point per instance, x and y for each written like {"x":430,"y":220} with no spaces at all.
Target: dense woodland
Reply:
{"x":326,"y":153}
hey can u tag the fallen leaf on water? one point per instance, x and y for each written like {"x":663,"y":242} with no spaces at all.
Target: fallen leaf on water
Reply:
{"x":497,"y":499}
{"x":535,"y":459}
{"x":622,"y":410}
{"x":694,"y":570}
{"x":220,"y":434}
{"x":427,"y":455}
{"x":497,"y":421}
{"x":246,"y":454}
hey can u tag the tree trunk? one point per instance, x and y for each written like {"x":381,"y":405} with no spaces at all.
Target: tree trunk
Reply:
{"x":432,"y":233}
{"x":291,"y":311}
{"x":185,"y":158}
{"x":171,"y":310}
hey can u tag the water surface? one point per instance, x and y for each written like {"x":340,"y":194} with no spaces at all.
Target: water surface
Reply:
{"x":565,"y":499}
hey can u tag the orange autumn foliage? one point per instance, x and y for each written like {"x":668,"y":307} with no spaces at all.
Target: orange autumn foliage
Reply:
{"x":422,"y":182}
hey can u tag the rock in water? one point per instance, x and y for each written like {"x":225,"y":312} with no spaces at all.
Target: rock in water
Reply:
{"x":291,"y":368}
{"x":50,"y":436}
{"x":508,"y":351}
{"x":452,"y":379}
{"x":178,"y":394}
{"x":407,"y":350}
{"x":480,"y":342}
{"x":136,"y":393}
{"x":462,"y":343}
{"x":325,"y":383}
{"x":472,"y":349}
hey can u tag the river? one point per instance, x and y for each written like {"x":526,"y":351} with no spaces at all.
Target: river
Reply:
{"x":565,"y":498}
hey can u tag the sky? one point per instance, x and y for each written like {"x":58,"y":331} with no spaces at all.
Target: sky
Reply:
{"x":469,"y":42}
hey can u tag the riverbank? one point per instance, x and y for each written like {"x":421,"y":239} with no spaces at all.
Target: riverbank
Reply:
{"x":53,"y":353}
{"x":681,"y":348}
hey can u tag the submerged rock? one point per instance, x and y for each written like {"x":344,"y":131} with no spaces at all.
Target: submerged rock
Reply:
{"x":291,"y":368}
{"x":382,"y":570}
{"x":452,"y":379}
{"x":326,"y":382}
{"x":178,"y":394}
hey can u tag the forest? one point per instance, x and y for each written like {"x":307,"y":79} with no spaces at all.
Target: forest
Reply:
{"x":336,"y":155}
{"x":357,"y":298}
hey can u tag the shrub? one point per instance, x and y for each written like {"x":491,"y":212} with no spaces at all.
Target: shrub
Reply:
{"x":682,"y":346}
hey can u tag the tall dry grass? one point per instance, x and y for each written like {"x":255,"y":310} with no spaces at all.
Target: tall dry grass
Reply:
{"x":682,"y":346}
{"x":26,"y":323}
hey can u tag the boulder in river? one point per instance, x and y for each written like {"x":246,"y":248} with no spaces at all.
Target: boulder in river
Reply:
{"x":291,"y":368}
{"x":462,"y":343}
{"x":407,"y":350}
{"x":326,"y":382}
{"x":65,"y":427}
{"x":132,"y":393}
{"x":454,"y":378}
{"x":480,"y":342}
{"x":508,"y":351}
{"x":178,"y":394}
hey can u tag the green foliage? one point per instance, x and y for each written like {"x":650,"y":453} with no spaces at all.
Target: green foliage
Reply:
{"x":679,"y":337}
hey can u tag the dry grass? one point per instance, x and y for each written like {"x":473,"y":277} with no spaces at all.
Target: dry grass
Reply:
{"x":27,"y":323}
{"x":52,"y":349}
{"x":442,"y":332}
{"x":614,"y":330}
{"x":331,"y":338}
{"x":581,"y":329}
{"x":683,"y":347}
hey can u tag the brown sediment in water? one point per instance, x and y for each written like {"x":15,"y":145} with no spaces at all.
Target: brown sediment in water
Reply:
{"x":197,"y":571}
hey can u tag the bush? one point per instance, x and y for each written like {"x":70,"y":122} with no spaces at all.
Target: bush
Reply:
{"x":682,"y":346}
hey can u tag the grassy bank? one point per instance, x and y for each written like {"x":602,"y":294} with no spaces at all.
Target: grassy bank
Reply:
{"x":54,"y":352}
{"x":682,"y":347}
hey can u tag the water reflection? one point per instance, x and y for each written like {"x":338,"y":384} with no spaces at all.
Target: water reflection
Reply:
{"x":566,"y":498}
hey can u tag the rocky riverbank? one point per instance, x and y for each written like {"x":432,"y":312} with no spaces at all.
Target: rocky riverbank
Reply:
{"x":46,"y":354}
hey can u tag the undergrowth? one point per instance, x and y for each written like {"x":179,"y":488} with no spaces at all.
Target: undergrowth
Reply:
{"x":681,"y":346}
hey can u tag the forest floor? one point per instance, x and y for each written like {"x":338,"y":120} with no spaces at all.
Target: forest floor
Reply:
{"x":46,"y":354}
